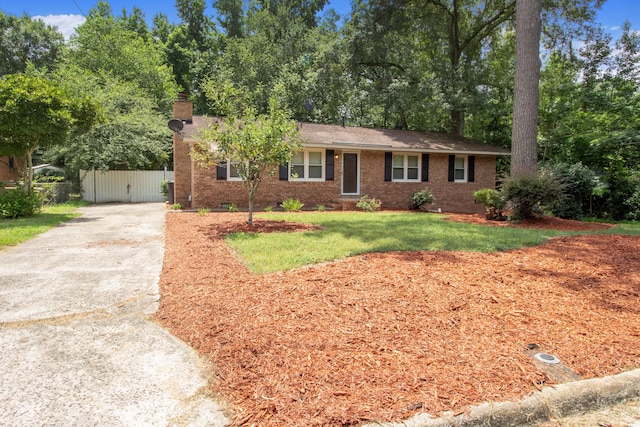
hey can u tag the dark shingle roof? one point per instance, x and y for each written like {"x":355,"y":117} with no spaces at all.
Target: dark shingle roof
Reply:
{"x":347,"y":137}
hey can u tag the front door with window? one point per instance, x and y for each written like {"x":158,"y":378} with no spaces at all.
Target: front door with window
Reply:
{"x":350,"y":173}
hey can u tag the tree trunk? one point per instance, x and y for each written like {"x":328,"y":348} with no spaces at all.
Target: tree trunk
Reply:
{"x":251,"y":197}
{"x":457,"y":122}
{"x":28,"y":173}
{"x":524,"y":147}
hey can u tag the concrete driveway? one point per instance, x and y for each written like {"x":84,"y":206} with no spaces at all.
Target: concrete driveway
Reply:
{"x":78,"y":345}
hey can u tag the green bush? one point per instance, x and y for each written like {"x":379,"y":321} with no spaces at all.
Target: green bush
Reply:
{"x":164,"y":188}
{"x":268,"y":208}
{"x":203,"y":211}
{"x":176,"y":206}
{"x":527,"y":195}
{"x":368,"y":204}
{"x":321,"y":208}
{"x":48,"y":178}
{"x":493,"y":201}
{"x":633,"y":206}
{"x":292,"y":205}
{"x":421,"y":198}
{"x":19,"y":203}
{"x":579,"y":183}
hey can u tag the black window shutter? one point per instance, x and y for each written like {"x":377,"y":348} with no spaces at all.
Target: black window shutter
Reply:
{"x":425,"y":167}
{"x":330,"y":165}
{"x":221,"y":171}
{"x":388,"y":164}
{"x":452,"y":167}
{"x":472,"y":169}
{"x":284,"y":172}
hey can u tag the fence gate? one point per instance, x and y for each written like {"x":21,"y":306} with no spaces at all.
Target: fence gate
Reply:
{"x":123,"y":186}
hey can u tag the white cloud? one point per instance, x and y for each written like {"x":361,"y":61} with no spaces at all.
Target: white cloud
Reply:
{"x":66,"y":24}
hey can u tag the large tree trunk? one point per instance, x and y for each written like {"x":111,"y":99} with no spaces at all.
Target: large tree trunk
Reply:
{"x":524,"y":147}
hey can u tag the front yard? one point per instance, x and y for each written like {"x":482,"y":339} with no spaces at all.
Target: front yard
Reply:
{"x":383,"y":336}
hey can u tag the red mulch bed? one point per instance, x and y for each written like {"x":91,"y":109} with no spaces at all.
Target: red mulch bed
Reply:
{"x":386,"y":336}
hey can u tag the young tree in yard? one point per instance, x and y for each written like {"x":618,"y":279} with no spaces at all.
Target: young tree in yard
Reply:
{"x":254,"y":143}
{"x":39,"y":112}
{"x":524,"y":147}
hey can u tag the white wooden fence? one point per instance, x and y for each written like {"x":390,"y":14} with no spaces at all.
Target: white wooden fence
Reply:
{"x":123,"y":186}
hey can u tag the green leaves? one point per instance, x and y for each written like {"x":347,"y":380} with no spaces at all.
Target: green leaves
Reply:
{"x":255,"y":143}
{"x":36,"y":111}
{"x":24,"y":41}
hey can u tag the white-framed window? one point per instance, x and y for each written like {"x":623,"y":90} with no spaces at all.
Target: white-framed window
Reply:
{"x":406,"y":167}
{"x":460,"y":169}
{"x":232,"y":171}
{"x":307,"y":165}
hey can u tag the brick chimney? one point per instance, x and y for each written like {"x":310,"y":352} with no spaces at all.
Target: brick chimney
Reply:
{"x":183,"y":108}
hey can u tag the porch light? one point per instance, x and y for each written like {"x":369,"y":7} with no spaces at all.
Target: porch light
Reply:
{"x":337,"y":156}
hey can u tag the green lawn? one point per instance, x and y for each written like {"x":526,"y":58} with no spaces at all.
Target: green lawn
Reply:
{"x":15,"y":231}
{"x":352,"y":233}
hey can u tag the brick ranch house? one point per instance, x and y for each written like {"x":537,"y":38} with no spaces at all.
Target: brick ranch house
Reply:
{"x":340,"y":164}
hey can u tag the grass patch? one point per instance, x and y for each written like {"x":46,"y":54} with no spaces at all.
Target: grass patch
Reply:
{"x":351,"y":233}
{"x":16,"y":231}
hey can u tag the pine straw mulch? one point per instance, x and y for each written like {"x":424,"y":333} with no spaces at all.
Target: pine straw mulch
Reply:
{"x":387,"y":335}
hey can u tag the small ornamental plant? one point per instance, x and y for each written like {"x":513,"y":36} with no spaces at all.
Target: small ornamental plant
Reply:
{"x":292,"y":205}
{"x":368,"y":204}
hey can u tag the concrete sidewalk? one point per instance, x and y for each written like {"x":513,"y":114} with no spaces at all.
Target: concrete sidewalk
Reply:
{"x":77,"y":344}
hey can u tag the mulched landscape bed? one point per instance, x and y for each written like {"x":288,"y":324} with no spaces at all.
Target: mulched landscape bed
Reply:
{"x":385,"y":336}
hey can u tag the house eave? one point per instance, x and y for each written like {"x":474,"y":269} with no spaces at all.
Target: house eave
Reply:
{"x":389,"y":147}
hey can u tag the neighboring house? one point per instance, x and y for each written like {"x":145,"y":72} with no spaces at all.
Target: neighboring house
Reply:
{"x":9,"y":169}
{"x":340,"y":164}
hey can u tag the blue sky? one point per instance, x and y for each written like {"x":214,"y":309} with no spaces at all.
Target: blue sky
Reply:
{"x":67,"y":13}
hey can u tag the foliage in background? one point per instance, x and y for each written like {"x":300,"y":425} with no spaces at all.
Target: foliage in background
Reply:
{"x":134,"y":134}
{"x":39,"y":112}
{"x":579,"y":183}
{"x":590,"y":104}
{"x":28,"y":42}
{"x":107,"y":47}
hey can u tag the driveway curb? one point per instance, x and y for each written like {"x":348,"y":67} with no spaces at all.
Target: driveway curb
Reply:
{"x":551,"y":402}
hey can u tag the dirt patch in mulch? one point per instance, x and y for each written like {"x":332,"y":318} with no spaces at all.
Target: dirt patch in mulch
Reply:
{"x":385,"y":336}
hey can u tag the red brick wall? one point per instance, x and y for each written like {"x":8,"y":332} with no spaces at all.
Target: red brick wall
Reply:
{"x":450,"y":196}
{"x":7,"y":174}
{"x":182,"y":110}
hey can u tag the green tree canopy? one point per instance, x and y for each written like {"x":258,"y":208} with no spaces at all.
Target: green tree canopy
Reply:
{"x":36,"y":111}
{"x":106,"y":46}
{"x":134,"y":134}
{"x":255,"y":143}
{"x":25,"y":41}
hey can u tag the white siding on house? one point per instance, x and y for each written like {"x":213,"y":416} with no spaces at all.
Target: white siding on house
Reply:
{"x":123,"y":186}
